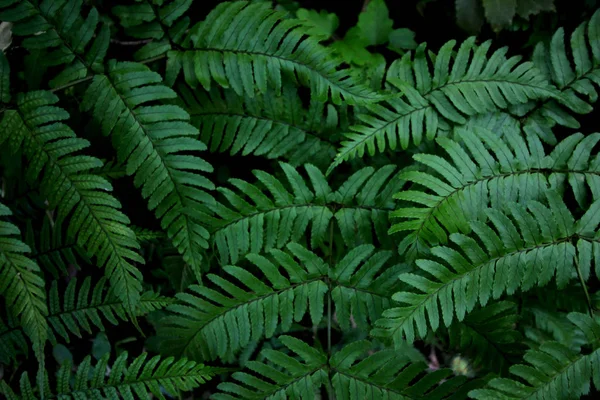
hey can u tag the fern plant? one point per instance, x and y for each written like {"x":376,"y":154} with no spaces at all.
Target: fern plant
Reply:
{"x":257,"y":203}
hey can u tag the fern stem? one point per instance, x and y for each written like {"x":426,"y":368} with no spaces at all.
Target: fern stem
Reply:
{"x":585,"y":291}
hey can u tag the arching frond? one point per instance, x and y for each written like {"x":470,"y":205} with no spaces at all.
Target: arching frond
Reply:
{"x":489,"y":171}
{"x":389,"y":374}
{"x":21,"y":284}
{"x":292,"y":377}
{"x":248,"y":47}
{"x":575,"y":70}
{"x":55,"y":253}
{"x":552,"y":371}
{"x":138,"y":379}
{"x":73,"y":311}
{"x":83,"y":199}
{"x":300,"y":373}
{"x":359,"y":207}
{"x":428,"y":105}
{"x":267,"y":125}
{"x":77,"y":43}
{"x":159,"y":147}
{"x":223,"y":318}
{"x":514,"y":256}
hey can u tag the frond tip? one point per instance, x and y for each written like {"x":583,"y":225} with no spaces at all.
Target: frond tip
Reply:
{"x":21,"y":284}
{"x":139,"y":379}
{"x":248,"y":46}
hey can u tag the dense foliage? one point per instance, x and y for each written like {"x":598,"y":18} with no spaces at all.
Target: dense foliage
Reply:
{"x":271,"y":200}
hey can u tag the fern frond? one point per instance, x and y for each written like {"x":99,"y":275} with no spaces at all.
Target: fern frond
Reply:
{"x":300,"y":373}
{"x":21,"y":284}
{"x":163,"y":22}
{"x":359,"y":207}
{"x":248,"y":47}
{"x":514,"y":256}
{"x":267,"y":125}
{"x":73,"y":311}
{"x":428,"y":105}
{"x":489,"y":171}
{"x":293,"y":378}
{"x":575,"y":70}
{"x":84,"y":199}
{"x":51,"y":250}
{"x":13,"y":341}
{"x":67,"y":38}
{"x":221,"y":319}
{"x":553,"y":370}
{"x":488,"y":336}
{"x":139,"y":379}
{"x":388,"y":374}
{"x":155,"y":142}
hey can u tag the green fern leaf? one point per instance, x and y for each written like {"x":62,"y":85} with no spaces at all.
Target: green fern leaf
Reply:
{"x":296,"y":379}
{"x":155,"y":142}
{"x":552,"y":371}
{"x":223,"y":50}
{"x":576,"y":73}
{"x":269,"y":125}
{"x":210,"y":323}
{"x":389,"y":374}
{"x":427,"y":105}
{"x":140,"y":379}
{"x":488,"y":171}
{"x":514,"y":256}
{"x":52,"y":251}
{"x":82,"y":198}
{"x":301,"y":370}
{"x":21,"y":284}
{"x":163,"y":24}
{"x":67,"y":39}
{"x":80,"y":312}
{"x":359,"y":207}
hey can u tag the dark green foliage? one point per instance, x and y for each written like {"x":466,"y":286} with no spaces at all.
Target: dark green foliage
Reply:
{"x":317,"y":210}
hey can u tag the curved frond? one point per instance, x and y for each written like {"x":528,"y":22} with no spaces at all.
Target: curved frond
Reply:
{"x":138,"y":379}
{"x":73,"y":311}
{"x":267,"y":125}
{"x":551,"y":371}
{"x":77,"y":43}
{"x":359,"y":208}
{"x":159,"y":148}
{"x":389,"y":374}
{"x":488,"y":171}
{"x":21,"y":284}
{"x":575,"y":70}
{"x":291,"y":377}
{"x":223,"y":318}
{"x":514,"y":256}
{"x":427,"y":105}
{"x":300,"y":373}
{"x":83,"y":199}
{"x":162,"y":23}
{"x":249,"y":46}
{"x":55,"y":253}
